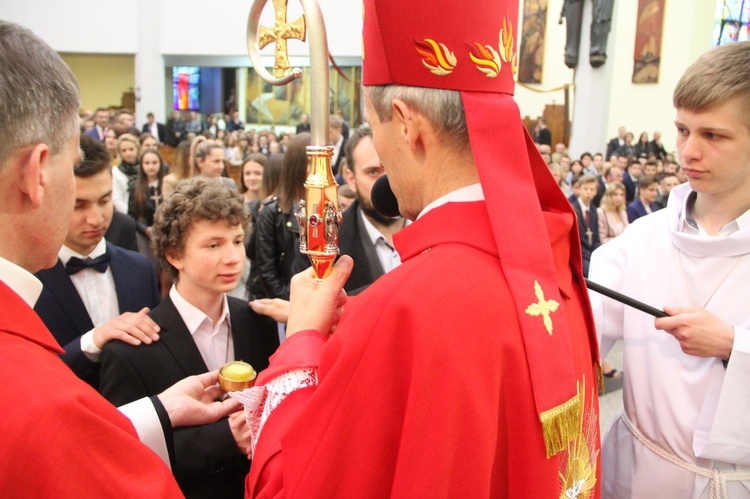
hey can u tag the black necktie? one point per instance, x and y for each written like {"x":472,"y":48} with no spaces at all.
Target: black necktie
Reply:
{"x":100,"y":264}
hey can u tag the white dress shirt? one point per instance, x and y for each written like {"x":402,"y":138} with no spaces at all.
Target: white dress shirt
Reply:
{"x":466,"y":194}
{"x":214,"y":341}
{"x":387,"y":255}
{"x":97,"y":292}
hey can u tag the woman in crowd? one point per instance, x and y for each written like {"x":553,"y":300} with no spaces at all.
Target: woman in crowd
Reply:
{"x":641,"y":149}
{"x":128,"y":148}
{"x":576,"y":170}
{"x":240,"y":151}
{"x":277,"y":255}
{"x":179,"y":171}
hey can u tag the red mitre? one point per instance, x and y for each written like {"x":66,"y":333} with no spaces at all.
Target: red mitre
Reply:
{"x":471,"y":47}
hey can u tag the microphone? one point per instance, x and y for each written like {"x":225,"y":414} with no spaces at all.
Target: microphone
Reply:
{"x":383,"y":199}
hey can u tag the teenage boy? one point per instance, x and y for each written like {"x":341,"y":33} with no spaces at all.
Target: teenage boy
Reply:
{"x":645,"y":204}
{"x":684,"y":431}
{"x":198,"y":236}
{"x":588,"y":221}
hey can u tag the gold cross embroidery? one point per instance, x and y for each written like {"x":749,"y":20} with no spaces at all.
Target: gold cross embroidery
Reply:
{"x":542,"y":307}
{"x":279,"y":34}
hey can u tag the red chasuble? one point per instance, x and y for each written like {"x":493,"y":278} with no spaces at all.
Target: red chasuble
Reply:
{"x":424,"y":389}
{"x":58,"y":437}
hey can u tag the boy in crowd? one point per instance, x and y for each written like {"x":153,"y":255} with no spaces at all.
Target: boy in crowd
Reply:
{"x":588,"y":221}
{"x":645,"y":204}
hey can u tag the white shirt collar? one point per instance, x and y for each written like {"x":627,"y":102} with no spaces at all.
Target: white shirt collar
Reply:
{"x":372,"y":233}
{"x":21,"y":281}
{"x":191,"y":315}
{"x":66,"y":253}
{"x":466,"y":194}
{"x":688,"y":224}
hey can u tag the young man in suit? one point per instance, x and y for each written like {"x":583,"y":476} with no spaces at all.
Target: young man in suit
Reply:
{"x":96,"y":291}
{"x":158,"y":130}
{"x":101,"y":120}
{"x":648,"y":190}
{"x":588,"y":220}
{"x":198,"y":235}
{"x":366,"y":235}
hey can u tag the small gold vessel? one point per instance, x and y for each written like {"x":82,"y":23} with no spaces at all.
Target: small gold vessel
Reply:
{"x":236,"y":376}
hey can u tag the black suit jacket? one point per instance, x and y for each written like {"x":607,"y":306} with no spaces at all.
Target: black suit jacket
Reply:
{"x":544,"y":137}
{"x":63,"y":312}
{"x":164,"y":135}
{"x":206,"y":460}
{"x":354,"y":241}
{"x":631,"y":187}
{"x":587,"y":247}
{"x":121,"y":231}
{"x":340,"y":157}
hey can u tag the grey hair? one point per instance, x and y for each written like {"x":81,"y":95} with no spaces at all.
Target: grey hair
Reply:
{"x":39,"y":95}
{"x":442,"y":108}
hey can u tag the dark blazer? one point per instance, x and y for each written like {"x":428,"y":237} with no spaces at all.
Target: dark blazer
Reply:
{"x":63,"y":312}
{"x":601,"y":188}
{"x":206,"y":461}
{"x":164,"y":135}
{"x":614,"y":147}
{"x":636,"y":210}
{"x":121,"y":231}
{"x":587,"y":247}
{"x":91,"y":132}
{"x":355,"y":242}
{"x":631,"y":187}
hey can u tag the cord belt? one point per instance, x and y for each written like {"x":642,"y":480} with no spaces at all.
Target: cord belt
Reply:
{"x":718,"y":478}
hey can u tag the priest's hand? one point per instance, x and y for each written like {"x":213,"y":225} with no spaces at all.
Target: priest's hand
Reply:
{"x":699,"y":332}
{"x":240,"y":431}
{"x":275,"y":308}
{"x":132,"y":328}
{"x":193,"y":401}
{"x":316,"y":304}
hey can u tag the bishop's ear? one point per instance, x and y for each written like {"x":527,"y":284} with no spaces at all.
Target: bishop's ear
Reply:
{"x":408,"y":123}
{"x":33,"y":177}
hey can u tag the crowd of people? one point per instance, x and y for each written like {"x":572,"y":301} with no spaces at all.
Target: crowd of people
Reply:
{"x":468,"y":361}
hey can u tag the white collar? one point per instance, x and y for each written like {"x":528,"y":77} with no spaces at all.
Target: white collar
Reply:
{"x":66,"y":253}
{"x":466,"y":194}
{"x":21,"y":281}
{"x":191,"y":315}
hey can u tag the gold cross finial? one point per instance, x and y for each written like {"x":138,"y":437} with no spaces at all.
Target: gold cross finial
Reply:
{"x":542,"y":307}
{"x":279,"y":34}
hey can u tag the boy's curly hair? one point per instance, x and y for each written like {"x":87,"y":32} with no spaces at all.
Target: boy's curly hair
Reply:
{"x":194,"y":200}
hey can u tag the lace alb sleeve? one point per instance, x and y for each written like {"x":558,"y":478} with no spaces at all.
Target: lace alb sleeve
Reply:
{"x":260,"y":401}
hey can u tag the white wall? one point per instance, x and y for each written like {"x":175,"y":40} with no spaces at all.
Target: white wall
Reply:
{"x":207,"y":30}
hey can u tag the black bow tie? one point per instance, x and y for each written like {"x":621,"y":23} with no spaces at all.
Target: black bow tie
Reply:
{"x":100,"y":264}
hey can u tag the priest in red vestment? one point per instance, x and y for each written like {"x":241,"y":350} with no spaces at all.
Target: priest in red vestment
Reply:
{"x":472,"y":369}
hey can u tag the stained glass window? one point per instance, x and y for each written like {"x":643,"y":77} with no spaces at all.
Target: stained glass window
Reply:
{"x":732,"y":21}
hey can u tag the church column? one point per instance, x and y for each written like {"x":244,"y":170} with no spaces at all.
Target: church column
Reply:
{"x":150,"y":81}
{"x":593,"y":87}
{"x":240,"y":92}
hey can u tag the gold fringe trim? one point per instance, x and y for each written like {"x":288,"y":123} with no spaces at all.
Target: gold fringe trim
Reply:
{"x":599,"y":377}
{"x":561,"y":424}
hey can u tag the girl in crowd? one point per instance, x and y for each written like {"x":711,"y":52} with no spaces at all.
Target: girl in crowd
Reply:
{"x":277,"y":255}
{"x":612,"y":215}
{"x":128,"y":148}
{"x":110,"y":142}
{"x":557,"y":174}
{"x":179,"y":171}
{"x":576,"y":170}
{"x":209,"y":161}
{"x":251,"y":179}
{"x":147,"y":190}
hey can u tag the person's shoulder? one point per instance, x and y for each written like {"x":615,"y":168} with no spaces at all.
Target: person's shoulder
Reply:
{"x":130,"y":256}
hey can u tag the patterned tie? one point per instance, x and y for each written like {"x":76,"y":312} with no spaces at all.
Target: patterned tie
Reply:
{"x":100,"y":264}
